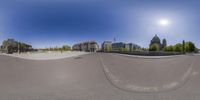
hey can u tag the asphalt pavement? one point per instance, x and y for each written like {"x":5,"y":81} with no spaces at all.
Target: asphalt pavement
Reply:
{"x":100,"y":76}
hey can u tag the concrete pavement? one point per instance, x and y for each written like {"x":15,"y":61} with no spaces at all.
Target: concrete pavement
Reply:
{"x":148,"y":75}
{"x":48,"y":55}
{"x":100,"y":77}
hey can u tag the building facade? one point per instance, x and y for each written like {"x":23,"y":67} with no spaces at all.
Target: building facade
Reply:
{"x":11,"y":46}
{"x":118,"y":46}
{"x":132,"y":47}
{"x":156,"y":40}
{"x":89,"y":46}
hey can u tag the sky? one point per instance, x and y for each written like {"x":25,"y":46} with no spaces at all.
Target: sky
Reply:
{"x":56,"y":22}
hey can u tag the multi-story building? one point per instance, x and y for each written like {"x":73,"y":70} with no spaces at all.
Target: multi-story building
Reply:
{"x":76,"y":47}
{"x":10,"y":46}
{"x":133,"y":47}
{"x":118,"y":46}
{"x":89,"y":46}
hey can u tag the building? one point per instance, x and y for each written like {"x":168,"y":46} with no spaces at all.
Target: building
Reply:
{"x":132,"y":47}
{"x":11,"y":46}
{"x":156,"y":40}
{"x":106,"y":46}
{"x":164,"y":43}
{"x":118,"y":46}
{"x":89,"y":46}
{"x":76,"y":47}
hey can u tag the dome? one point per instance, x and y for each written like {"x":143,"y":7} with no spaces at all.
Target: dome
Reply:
{"x":155,"y":39}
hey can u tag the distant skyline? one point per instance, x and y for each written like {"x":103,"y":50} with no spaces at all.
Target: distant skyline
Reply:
{"x":56,"y":23}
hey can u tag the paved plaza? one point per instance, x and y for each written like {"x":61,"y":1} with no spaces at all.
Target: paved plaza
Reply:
{"x":48,"y":55}
{"x":100,"y":76}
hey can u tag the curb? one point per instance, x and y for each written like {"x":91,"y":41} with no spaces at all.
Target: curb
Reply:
{"x":150,"y":57}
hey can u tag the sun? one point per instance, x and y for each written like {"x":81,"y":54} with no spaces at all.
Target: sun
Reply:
{"x":164,"y":22}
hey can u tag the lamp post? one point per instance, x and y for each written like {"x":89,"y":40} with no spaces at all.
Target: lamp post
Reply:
{"x":18,"y":47}
{"x":1,"y":46}
{"x":183,"y":46}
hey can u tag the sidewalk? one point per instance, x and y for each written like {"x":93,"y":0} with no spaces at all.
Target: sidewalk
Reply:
{"x":51,"y":55}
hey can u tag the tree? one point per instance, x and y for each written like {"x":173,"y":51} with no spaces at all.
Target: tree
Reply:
{"x":66,"y":48}
{"x":10,"y":45}
{"x":177,"y":47}
{"x":154,"y":47}
{"x":108,"y":48}
{"x":189,"y":47}
{"x":169,"y":48}
{"x":126,"y":50}
{"x":184,"y":47}
{"x":164,"y":43}
{"x":121,"y":49}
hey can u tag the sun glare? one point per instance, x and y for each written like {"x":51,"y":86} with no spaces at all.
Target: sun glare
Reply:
{"x":164,"y":22}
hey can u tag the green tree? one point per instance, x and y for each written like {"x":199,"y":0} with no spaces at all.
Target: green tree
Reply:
{"x":189,"y":47}
{"x":107,"y":48}
{"x":121,"y":49}
{"x":169,"y":48}
{"x":177,"y":47}
{"x":66,"y":48}
{"x":154,"y":47}
{"x":126,"y":50}
{"x":110,"y":49}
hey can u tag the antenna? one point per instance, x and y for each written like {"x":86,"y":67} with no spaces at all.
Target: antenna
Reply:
{"x":114,"y":39}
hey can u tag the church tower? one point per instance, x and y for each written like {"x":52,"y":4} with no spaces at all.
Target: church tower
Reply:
{"x":155,"y":40}
{"x":164,"y":43}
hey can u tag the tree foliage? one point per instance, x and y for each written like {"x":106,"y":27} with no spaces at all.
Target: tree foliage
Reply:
{"x":177,"y":47}
{"x":184,"y":47}
{"x":154,"y":47}
{"x":63,"y":48}
{"x":189,"y":47}
{"x":169,"y":48}
{"x":107,"y":48}
{"x":126,"y":50}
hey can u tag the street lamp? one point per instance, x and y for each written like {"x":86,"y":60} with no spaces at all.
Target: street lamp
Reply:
{"x":18,"y":47}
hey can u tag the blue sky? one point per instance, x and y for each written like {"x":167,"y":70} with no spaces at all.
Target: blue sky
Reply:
{"x":55,"y":23}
